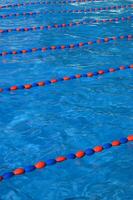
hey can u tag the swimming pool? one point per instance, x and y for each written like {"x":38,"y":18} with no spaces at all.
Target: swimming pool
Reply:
{"x":83,"y":67}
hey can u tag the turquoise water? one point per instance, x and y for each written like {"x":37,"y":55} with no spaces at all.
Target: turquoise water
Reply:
{"x":45,"y":122}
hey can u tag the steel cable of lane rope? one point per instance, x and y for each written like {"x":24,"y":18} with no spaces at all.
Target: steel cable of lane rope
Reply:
{"x":90,"y":10}
{"x":67,"y":46}
{"x":71,"y":156}
{"x":65,"y":78}
{"x":47,"y":3}
{"x":64,"y":25}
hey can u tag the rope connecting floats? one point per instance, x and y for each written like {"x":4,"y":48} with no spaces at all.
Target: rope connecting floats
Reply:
{"x":90,"y":10}
{"x":47,"y":3}
{"x":64,"y":25}
{"x":70,"y":156}
{"x":68,"y":46}
{"x":65,"y":78}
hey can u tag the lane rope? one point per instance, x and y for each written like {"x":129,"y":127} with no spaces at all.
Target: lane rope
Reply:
{"x":90,"y":10}
{"x":64,"y":25}
{"x":68,"y":46}
{"x":47,"y":3}
{"x":71,"y":156}
{"x":65,"y":78}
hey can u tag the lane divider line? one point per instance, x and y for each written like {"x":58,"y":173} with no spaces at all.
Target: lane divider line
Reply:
{"x":47,"y":3}
{"x":90,"y":10}
{"x":67,"y":46}
{"x":64,"y":25}
{"x":65,"y":78}
{"x":71,"y":156}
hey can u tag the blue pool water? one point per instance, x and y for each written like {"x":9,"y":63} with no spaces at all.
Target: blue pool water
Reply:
{"x":45,"y":122}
